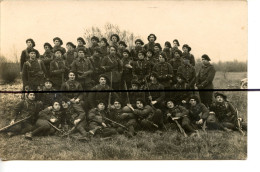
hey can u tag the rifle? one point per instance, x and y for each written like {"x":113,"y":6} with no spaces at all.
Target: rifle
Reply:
{"x":109,"y":97}
{"x":179,"y":126}
{"x":17,"y":122}
{"x":127,"y":93}
{"x":238,"y":124}
{"x":116,"y":123}
{"x":61,"y":131}
{"x":204,"y":126}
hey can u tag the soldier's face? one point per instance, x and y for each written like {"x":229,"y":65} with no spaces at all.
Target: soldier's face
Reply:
{"x":125,"y":54}
{"x":161,"y":59}
{"x":80,"y":42}
{"x":29,"y":44}
{"x":185,"y":49}
{"x":175,"y":44}
{"x":101,"y":106}
{"x":205,"y":62}
{"x":32,"y":55}
{"x":102,"y":43}
{"x":57,"y":42}
{"x":139,"y":104}
{"x":121,"y":46}
{"x":81,"y":54}
{"x":69,"y":47}
{"x":93,"y":41}
{"x":64,"y":105}
{"x":138,"y":44}
{"x":149,"y":54}
{"x":117,"y":105}
{"x":58,"y":54}
{"x":151,"y":38}
{"x":112,"y":50}
{"x":140,"y":56}
{"x":156,"y":49}
{"x":48,"y":85}
{"x":114,"y":39}
{"x":193,"y":102}
{"x":31,"y":96}
{"x":134,"y":87}
{"x":219,"y":99}
{"x":56,"y":106}
{"x":170,"y":104}
{"x":71,"y":76}
{"x":102,"y":81}
{"x":46,"y":48}
{"x":177,"y":55}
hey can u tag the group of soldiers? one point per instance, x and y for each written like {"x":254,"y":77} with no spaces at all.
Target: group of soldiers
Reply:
{"x":107,"y":89}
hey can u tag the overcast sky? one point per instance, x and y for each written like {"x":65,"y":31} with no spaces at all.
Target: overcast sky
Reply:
{"x":216,"y":28}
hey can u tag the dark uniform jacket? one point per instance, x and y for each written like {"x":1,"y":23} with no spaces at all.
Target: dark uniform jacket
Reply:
{"x":165,"y":73}
{"x":188,"y":72}
{"x":141,"y":69}
{"x":83,"y":69}
{"x":96,"y":116}
{"x":127,"y":74}
{"x":72,"y":113}
{"x":197,"y":112}
{"x":189,"y":57}
{"x":144,"y":112}
{"x":176,"y":111}
{"x":225,"y":112}
{"x":173,"y":50}
{"x":178,"y":96}
{"x":57,"y":72}
{"x":134,"y":52}
{"x":112,"y":64}
{"x":47,"y":98}
{"x":92,"y":49}
{"x":149,"y":45}
{"x":205,"y":77}
{"x":133,"y":96}
{"x":104,"y":51}
{"x":47,"y":57}
{"x":71,"y":86}
{"x":156,"y":95}
{"x":25,"y":57}
{"x":95,"y":61}
{"x":69,"y":57}
{"x":167,"y":52}
{"x":47,"y":114}
{"x":176,"y":63}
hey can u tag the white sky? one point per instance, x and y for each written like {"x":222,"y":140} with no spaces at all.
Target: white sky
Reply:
{"x":216,"y":28}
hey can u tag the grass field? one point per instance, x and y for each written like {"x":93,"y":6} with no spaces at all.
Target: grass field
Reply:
{"x":171,"y":145}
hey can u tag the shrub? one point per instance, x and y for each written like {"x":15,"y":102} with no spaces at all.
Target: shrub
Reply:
{"x":8,"y":71}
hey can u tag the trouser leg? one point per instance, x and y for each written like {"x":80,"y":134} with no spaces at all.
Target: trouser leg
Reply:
{"x":42,"y":128}
{"x":187,"y":125}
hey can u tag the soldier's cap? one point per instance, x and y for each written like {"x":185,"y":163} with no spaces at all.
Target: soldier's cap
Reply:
{"x":150,"y":50}
{"x":135,"y":82}
{"x":206,"y":57}
{"x":81,"y":49}
{"x":116,"y":35}
{"x":177,"y":51}
{"x":82,"y":40}
{"x":176,"y":40}
{"x":94,"y":38}
{"x":139,"y":40}
{"x":187,"y":46}
{"x":100,"y":101}
{"x":220,"y":94}
{"x":104,"y":76}
{"x":32,"y":50}
{"x":118,"y":100}
{"x":58,"y":49}
{"x":47,"y":44}
{"x":196,"y":98}
{"x":163,"y":55}
{"x":32,"y":41}
{"x":71,"y":44}
{"x":152,"y":35}
{"x":141,"y":51}
{"x":167,"y":43}
{"x":154,"y":74}
{"x":169,"y":100}
{"x":122,"y":43}
{"x":158,"y":45}
{"x":57,"y":38}
{"x":181,"y":76}
{"x":48,"y":80}
{"x":105,"y":40}
{"x":126,"y":51}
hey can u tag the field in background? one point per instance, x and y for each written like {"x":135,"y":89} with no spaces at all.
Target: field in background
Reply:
{"x":169,"y":145}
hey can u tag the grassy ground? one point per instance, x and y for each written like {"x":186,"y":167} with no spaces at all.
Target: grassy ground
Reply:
{"x":145,"y":146}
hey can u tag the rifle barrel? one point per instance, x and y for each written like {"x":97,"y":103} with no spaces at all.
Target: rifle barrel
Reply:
{"x":17,"y":122}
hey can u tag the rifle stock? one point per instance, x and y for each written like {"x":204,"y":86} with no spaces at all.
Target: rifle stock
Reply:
{"x":17,"y":122}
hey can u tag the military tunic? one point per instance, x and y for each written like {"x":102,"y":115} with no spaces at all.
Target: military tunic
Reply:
{"x":141,"y":69}
{"x":189,"y":57}
{"x":57,"y":72}
{"x":165,"y":73}
{"x":188,"y":72}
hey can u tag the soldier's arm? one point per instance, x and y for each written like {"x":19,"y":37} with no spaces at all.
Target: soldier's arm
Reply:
{"x":80,"y":94}
{"x":144,"y":112}
{"x":53,"y":69}
{"x":170,"y":71}
{"x":210,"y":77}
{"x":17,"y":109}
{"x":192,"y":61}
{"x":44,"y":114}
{"x":79,"y":110}
{"x":184,"y":111}
{"x":25,"y":74}
{"x":22,"y":60}
{"x":232,"y":109}
{"x":205,"y":112}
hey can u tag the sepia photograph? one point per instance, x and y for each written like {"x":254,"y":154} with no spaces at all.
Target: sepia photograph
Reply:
{"x":124,"y":80}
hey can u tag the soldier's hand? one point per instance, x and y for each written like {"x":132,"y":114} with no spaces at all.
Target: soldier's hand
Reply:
{"x":53,"y":120}
{"x":103,"y":124}
{"x":76,"y":121}
{"x":183,"y":102}
{"x":72,"y":100}
{"x":154,"y":102}
{"x":77,"y":100}
{"x":12,"y":122}
{"x":150,"y":98}
{"x":199,"y":122}
{"x":50,"y":107}
{"x":168,"y":114}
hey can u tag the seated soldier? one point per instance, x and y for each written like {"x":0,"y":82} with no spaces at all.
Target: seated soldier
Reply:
{"x":22,"y":110}
{"x":148,"y":118}
{"x":133,"y":95}
{"x":225,"y":114}
{"x":124,"y":117}
{"x":74,"y":118}
{"x":97,"y":123}
{"x":198,"y":112}
{"x":49,"y":116}
{"x":180,"y":114}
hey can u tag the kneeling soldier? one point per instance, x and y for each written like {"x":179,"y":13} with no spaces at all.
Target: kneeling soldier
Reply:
{"x":97,"y":122}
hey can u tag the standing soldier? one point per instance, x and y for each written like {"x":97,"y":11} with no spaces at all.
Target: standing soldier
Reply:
{"x":25,"y":53}
{"x":57,"y":45}
{"x":127,"y":74}
{"x":104,"y":47}
{"x":150,"y":45}
{"x":157,"y":51}
{"x":70,"y":55}
{"x":138,"y":47}
{"x":83,"y":69}
{"x":165,"y":71}
{"x":95,"y":60}
{"x":47,"y":57}
{"x":112,"y":66}
{"x":114,"y":38}
{"x":205,"y":80}
{"x":180,"y":97}
{"x":57,"y":69}
{"x":141,"y":68}
{"x":22,"y":110}
{"x":176,"y":62}
{"x":33,"y":71}
{"x":175,"y":47}
{"x":188,"y":72}
{"x":186,"y":54}
{"x":121,"y":49}
{"x":167,"y":50}
{"x":150,"y":58}
{"x":94,"y":41}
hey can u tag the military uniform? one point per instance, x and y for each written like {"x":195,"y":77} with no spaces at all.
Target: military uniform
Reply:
{"x":198,"y":112}
{"x":165,"y":73}
{"x":47,"y":57}
{"x":149,"y":45}
{"x":33,"y":73}
{"x":127,"y":74}
{"x":167,"y":52}
{"x":156,"y":95}
{"x":57,"y":72}
{"x":178,"y":96}
{"x":189,"y":57}
{"x":83,"y":70}
{"x":141,"y":69}
{"x":72,"y":86}
{"x":175,"y":63}
{"x":134,"y":52}
{"x":188,"y":72}
{"x":47,"y":98}
{"x":104,"y":51}
{"x":96,"y":63}
{"x":205,"y":81}
{"x":135,"y":95}
{"x":25,"y":57}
